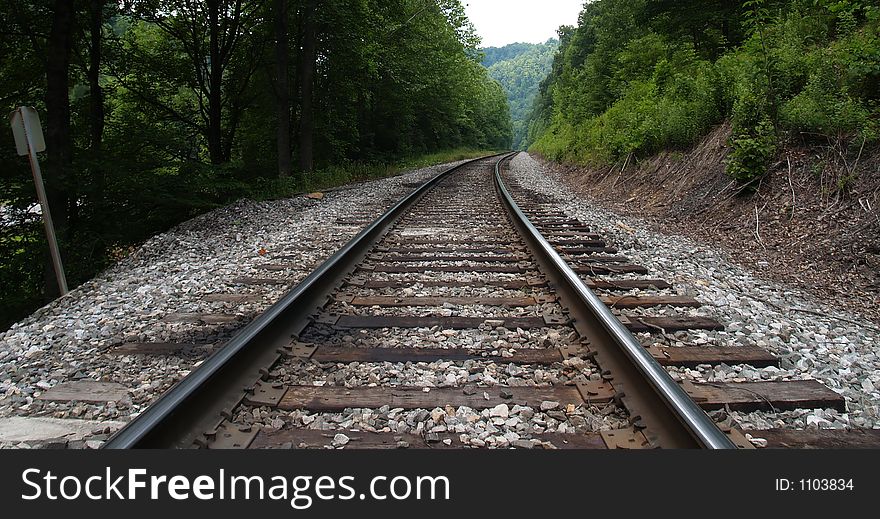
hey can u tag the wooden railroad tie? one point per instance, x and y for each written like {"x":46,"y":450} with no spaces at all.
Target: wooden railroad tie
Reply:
{"x":643,"y":324}
{"x":738,"y":396}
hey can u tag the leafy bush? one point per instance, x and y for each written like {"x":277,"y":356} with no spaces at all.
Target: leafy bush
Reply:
{"x":634,"y":77}
{"x":825,"y":114}
{"x":839,"y":98}
{"x":750,"y":152}
{"x":676,"y":104}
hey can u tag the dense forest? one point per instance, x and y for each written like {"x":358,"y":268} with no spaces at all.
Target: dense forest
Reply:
{"x":520,"y":67}
{"x":492,"y":55}
{"x":638,"y":76}
{"x":155,"y":110}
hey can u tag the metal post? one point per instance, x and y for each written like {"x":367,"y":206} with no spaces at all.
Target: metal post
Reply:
{"x":44,"y":204}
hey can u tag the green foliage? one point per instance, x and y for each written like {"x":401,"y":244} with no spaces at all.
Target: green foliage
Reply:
{"x":346,"y":173}
{"x":840,"y":92}
{"x":19,"y":250}
{"x":638,"y":77}
{"x":755,"y":14}
{"x":493,"y":55}
{"x":750,"y":152}
{"x":395,"y":81}
{"x":519,"y":68}
{"x":666,"y":96}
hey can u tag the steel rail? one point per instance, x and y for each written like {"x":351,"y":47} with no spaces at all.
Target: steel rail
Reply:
{"x":199,"y":401}
{"x":701,"y":431}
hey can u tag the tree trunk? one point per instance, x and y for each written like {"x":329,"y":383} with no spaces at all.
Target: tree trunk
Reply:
{"x":58,"y":142}
{"x":96,"y":96}
{"x":282,"y":86}
{"x":215,"y":81}
{"x":307,"y":75}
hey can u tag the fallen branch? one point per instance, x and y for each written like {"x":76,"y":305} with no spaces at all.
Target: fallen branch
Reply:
{"x":621,"y":172}
{"x":793,"y":202}
{"x":786,"y":310}
{"x":757,"y":228}
{"x":771,"y":303}
{"x":652,"y":325}
{"x":814,"y":312}
{"x":856,"y":163}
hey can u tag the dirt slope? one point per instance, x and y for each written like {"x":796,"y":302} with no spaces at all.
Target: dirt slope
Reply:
{"x":796,"y":228}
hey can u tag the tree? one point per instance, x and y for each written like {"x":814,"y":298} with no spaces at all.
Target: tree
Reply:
{"x":307,"y":83}
{"x":58,"y":137}
{"x":519,"y":68}
{"x":712,"y":26}
{"x":217,"y":39}
{"x":157,"y":110}
{"x":282,"y":85}
{"x":96,"y":94}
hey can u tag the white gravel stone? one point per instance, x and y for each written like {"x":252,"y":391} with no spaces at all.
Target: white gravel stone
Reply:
{"x":170,"y":274}
{"x":500,"y":411}
{"x":838,"y":347}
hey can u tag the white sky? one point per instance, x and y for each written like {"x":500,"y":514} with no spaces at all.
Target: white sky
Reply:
{"x":500,"y":22}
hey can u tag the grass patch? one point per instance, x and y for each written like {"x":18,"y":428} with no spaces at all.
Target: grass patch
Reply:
{"x":340,"y":175}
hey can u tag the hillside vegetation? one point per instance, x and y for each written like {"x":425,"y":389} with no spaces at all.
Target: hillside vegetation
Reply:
{"x":639,"y":76}
{"x":156,"y":110}
{"x":519,"y":68}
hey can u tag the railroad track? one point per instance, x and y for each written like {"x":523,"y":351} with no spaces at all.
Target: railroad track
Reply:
{"x":472,"y":313}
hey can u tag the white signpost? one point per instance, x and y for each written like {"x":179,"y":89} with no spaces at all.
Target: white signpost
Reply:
{"x":29,"y":141}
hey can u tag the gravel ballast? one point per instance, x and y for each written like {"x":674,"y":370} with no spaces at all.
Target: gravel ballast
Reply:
{"x":835,"y":346}
{"x":156,"y":295}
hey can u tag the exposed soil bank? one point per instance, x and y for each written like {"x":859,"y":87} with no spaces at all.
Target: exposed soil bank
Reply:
{"x":799,"y":227}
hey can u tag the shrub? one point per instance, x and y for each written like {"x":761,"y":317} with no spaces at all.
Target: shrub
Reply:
{"x":750,"y":152}
{"x":799,"y":67}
